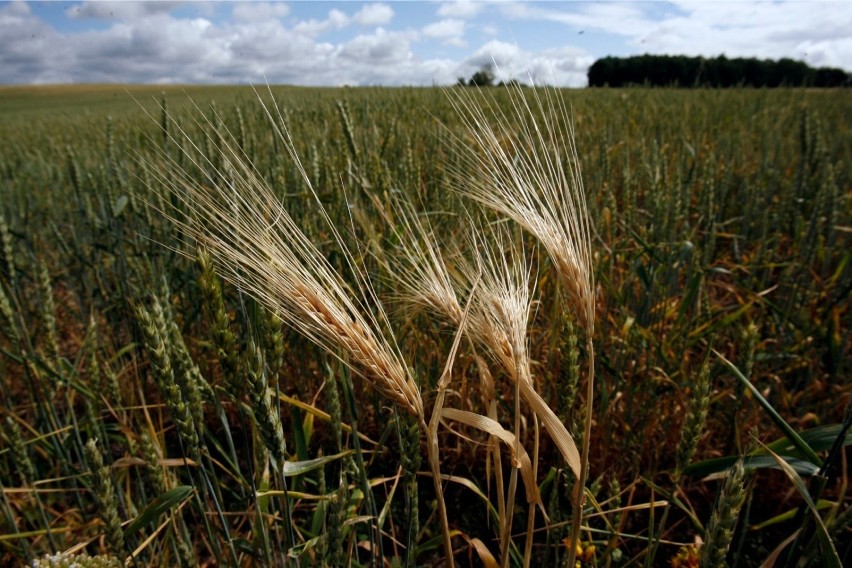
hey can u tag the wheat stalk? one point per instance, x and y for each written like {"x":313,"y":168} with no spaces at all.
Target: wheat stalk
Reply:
{"x":499,"y":316}
{"x":528,"y":170}
{"x":255,"y":243}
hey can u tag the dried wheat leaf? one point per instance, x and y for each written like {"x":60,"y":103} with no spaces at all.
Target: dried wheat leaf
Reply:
{"x":520,"y":459}
{"x":558,"y":433}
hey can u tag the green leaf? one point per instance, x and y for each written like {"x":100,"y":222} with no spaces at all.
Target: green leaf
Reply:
{"x":787,"y":515}
{"x":298,"y":550}
{"x":119,"y":205}
{"x":829,"y":553}
{"x":720,"y":465}
{"x":301,"y":467}
{"x":819,"y":439}
{"x":791,"y":434}
{"x":158,"y":506}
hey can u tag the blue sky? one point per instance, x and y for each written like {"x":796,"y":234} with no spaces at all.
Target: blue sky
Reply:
{"x":395,"y":43}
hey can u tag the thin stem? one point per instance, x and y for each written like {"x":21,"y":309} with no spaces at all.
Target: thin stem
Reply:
{"x":580,"y":489}
{"x":531,"y":513}
{"x":506,"y":523}
{"x":435,"y":465}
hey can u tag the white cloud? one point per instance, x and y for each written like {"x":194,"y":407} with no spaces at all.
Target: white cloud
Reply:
{"x":460,"y":9}
{"x":444,"y":28}
{"x":823,"y":53}
{"x":737,"y":29}
{"x":563,"y":66}
{"x":373,"y":15}
{"x":259,"y":11}
{"x":240,"y":43}
{"x":15,"y":9}
{"x":336,"y":20}
{"x":380,"y":48}
{"x":450,"y":31}
{"x":756,"y":29}
{"x":125,"y":11}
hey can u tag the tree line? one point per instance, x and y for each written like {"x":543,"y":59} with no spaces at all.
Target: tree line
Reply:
{"x":683,"y":71}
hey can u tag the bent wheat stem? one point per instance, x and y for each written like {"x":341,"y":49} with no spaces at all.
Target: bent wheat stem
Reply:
{"x":529,"y":171}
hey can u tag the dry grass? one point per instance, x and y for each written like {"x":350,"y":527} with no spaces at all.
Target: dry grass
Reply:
{"x":257,"y":245}
{"x":528,"y":170}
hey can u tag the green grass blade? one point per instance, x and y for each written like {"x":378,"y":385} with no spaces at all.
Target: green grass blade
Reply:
{"x":822,"y":504}
{"x":157,"y":507}
{"x":818,"y":439}
{"x":791,"y":434}
{"x":829,"y":553}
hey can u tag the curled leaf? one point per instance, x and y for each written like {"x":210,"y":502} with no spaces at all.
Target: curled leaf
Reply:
{"x":520,"y":458}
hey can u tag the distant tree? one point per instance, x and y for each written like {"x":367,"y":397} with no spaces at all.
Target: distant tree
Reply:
{"x":831,"y":77}
{"x":683,"y":71}
{"x":482,"y":78}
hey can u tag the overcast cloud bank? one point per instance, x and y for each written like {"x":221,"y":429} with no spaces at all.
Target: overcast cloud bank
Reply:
{"x":399,"y":43}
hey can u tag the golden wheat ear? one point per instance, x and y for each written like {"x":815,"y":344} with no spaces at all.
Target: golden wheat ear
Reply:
{"x":526,"y":168}
{"x":524,"y":165}
{"x":255,"y":243}
{"x":499,"y":321}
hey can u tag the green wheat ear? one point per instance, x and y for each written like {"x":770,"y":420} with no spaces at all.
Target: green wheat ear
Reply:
{"x":48,"y":312}
{"x":77,"y":561}
{"x":264,"y":411}
{"x":10,"y":329}
{"x":694,"y":424}
{"x":24,"y":466}
{"x":223,"y":336}
{"x":155,"y":332}
{"x":105,"y":496}
{"x":720,"y":531}
{"x":8,"y":252}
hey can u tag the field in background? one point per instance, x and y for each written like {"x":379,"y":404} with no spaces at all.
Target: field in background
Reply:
{"x":70,"y":101}
{"x":723,"y":220}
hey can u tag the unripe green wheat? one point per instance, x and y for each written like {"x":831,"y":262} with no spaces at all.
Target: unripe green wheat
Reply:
{"x":105,"y":496}
{"x":720,"y":530}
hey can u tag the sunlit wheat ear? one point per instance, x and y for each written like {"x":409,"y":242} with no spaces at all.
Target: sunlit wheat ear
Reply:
{"x":419,"y":267}
{"x":257,"y":245}
{"x":499,"y":320}
{"x":525,"y":166}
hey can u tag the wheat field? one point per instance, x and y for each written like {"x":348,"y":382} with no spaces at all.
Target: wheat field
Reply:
{"x":424,"y":327}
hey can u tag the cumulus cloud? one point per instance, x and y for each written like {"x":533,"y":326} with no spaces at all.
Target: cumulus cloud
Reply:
{"x":259,"y":11}
{"x":373,"y":15}
{"x":110,"y":10}
{"x":380,"y":48}
{"x":450,"y":31}
{"x":336,"y":20}
{"x":24,"y":42}
{"x":756,"y":29}
{"x":460,"y":9}
{"x":737,"y":29}
{"x":565,"y":66}
{"x":368,"y":44}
